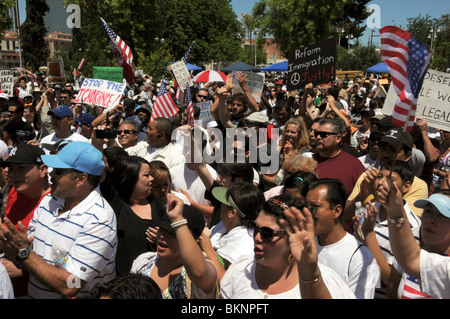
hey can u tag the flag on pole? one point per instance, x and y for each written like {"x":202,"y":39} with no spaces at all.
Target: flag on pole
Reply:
{"x":164,"y":106}
{"x":408,"y":60}
{"x":122,"y":53}
{"x":179,"y":96}
{"x":190,"y":106}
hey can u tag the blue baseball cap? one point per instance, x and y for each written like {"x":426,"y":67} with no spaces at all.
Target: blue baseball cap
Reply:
{"x":82,"y":156}
{"x":61,"y":110}
{"x":85,"y":118}
{"x":441,"y":202}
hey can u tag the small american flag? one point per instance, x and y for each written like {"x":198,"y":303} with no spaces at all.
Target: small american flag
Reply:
{"x":190,"y":107}
{"x":408,"y":60}
{"x":121,"y":51}
{"x":164,"y":105}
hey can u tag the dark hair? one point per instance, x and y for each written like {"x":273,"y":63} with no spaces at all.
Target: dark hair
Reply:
{"x":300,"y":181}
{"x":281,"y":104}
{"x":163,"y":124}
{"x":248,"y":198}
{"x":127,"y":175}
{"x":310,"y":92}
{"x":114,"y":154}
{"x":336,"y":192}
{"x":333,"y":91}
{"x":127,"y":286}
{"x":276,"y":205}
{"x":402,"y":168}
{"x":244,"y":170}
{"x":239,"y":97}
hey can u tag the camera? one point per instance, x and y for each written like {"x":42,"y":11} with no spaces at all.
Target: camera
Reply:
{"x":108,"y":133}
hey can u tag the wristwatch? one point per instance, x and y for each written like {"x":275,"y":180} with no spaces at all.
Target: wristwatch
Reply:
{"x":23,"y":254}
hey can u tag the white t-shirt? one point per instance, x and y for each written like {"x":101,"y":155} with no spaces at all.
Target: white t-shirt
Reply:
{"x":52,"y":139}
{"x":435,"y":275}
{"x":169,"y":154}
{"x":239,"y":283}
{"x":233,"y":244}
{"x":354,"y":262}
{"x":6,"y":289}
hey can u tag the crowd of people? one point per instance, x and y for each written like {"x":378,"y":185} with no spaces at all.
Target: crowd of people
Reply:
{"x":305,"y":194}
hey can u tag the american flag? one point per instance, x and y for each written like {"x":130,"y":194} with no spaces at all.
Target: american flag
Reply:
{"x":164,"y":105}
{"x":190,"y":107}
{"x":121,"y":51}
{"x":408,"y":60}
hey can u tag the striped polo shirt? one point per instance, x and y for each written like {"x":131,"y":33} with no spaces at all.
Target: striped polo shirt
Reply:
{"x":88,"y":233}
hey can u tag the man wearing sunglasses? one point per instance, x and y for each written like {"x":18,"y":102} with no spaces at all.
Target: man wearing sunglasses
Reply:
{"x":74,"y":219}
{"x":332,"y":161}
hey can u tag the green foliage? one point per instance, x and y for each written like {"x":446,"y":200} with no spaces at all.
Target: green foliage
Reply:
{"x":5,"y":19}
{"x":32,"y":34}
{"x":296,"y":23}
{"x":360,"y":58}
{"x":420,"y":27}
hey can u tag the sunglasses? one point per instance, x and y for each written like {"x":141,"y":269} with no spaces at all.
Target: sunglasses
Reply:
{"x":202,"y":96}
{"x":323,"y":135}
{"x":126,"y":132}
{"x":12,"y":112}
{"x":267,"y":234}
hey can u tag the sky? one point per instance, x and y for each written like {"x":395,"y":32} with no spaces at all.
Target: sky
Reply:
{"x":392,"y":12}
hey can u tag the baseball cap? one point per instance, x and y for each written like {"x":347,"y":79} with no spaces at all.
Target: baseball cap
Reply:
{"x":24,"y":154}
{"x":258,"y":117}
{"x":143,"y":108}
{"x":220,"y":193}
{"x":441,"y":202}
{"x":196,"y":221}
{"x":129,"y":103}
{"x":61,"y":110}
{"x":394,"y":135}
{"x":82,"y":156}
{"x":85,"y":118}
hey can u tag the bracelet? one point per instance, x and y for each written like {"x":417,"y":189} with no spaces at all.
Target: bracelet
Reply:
{"x":178,"y":224}
{"x":398,"y":220}
{"x":309,"y":281}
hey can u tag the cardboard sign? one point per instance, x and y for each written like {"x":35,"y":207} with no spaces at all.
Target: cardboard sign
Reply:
{"x":314,"y":64}
{"x":100,"y":92}
{"x":433,"y":103}
{"x":7,"y":82}
{"x":181,"y":74}
{"x":255,"y":83}
{"x":114,"y":74}
{"x":55,"y":71}
{"x":205,"y":115}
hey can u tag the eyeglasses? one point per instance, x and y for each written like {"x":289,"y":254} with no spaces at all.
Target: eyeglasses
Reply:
{"x":126,"y":132}
{"x":63,"y":171}
{"x":267,"y":234}
{"x":12,"y":112}
{"x":64,"y":97}
{"x":202,"y":96}
{"x":323,"y":135}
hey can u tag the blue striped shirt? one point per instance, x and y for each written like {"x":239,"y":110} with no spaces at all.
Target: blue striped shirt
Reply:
{"x":88,"y":233}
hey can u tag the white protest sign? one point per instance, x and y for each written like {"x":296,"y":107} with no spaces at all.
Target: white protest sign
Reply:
{"x":255,"y":83}
{"x":433,"y":103}
{"x":100,"y":92}
{"x":181,"y":74}
{"x":205,"y":115}
{"x":7,"y":81}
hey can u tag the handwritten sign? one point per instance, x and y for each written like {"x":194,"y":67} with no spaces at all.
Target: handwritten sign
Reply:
{"x":55,"y":70}
{"x":7,"y":81}
{"x":314,"y":64}
{"x":114,"y":74}
{"x":100,"y":92}
{"x":255,"y":83}
{"x":181,"y":74}
{"x":433,"y":103}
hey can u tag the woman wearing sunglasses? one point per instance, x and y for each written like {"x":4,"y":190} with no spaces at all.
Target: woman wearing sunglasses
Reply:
{"x":272,"y":271}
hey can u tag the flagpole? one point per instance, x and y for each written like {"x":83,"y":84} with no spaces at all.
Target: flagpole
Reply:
{"x":396,"y":152}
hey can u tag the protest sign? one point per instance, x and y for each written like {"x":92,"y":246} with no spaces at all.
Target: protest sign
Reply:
{"x":205,"y":115}
{"x":314,"y":64}
{"x":55,"y":71}
{"x":7,"y":82}
{"x":433,"y":103}
{"x":255,"y":83}
{"x":100,"y":92}
{"x":181,"y":74}
{"x":114,"y":74}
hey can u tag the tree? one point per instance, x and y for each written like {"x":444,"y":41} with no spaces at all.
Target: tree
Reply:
{"x":361,"y":58}
{"x":5,"y":19}
{"x":32,"y":34}
{"x":297,"y":23}
{"x":421,"y":26}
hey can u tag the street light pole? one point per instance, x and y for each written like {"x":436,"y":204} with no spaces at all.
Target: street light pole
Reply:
{"x":20,"y":48}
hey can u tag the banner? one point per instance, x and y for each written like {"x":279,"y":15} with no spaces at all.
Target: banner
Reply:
{"x":433,"y":104}
{"x":7,"y":82}
{"x":100,"y":92}
{"x":255,"y":83}
{"x":114,"y":74}
{"x":314,"y":64}
{"x":181,"y":74}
